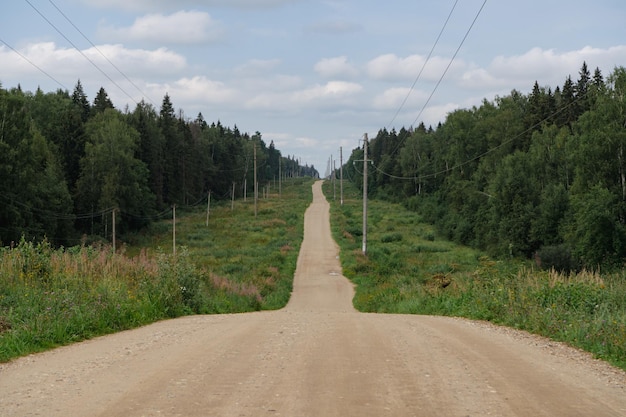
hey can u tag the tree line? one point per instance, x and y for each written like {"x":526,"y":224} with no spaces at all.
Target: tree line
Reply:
{"x":66,"y":163}
{"x":540,"y":175}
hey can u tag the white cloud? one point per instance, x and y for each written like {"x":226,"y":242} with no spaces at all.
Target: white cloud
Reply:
{"x":198,"y":89}
{"x":392,"y":98}
{"x":333,"y":90}
{"x":390,"y":67}
{"x":144,"y":62}
{"x":64,"y":63}
{"x":337,"y":67}
{"x":432,"y":115}
{"x":182,"y":27}
{"x":546,"y":66}
{"x":478,"y":78}
{"x":331,"y":94}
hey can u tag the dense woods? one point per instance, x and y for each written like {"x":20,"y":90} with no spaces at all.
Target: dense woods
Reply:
{"x":66,"y":164}
{"x":540,"y":175}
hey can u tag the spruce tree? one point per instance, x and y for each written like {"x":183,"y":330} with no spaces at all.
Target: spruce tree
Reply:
{"x":101,"y":102}
{"x":80,"y":99}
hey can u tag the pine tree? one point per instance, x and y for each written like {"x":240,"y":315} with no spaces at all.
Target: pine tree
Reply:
{"x":173,"y":153}
{"x":566,"y":105}
{"x":580,"y":92}
{"x":80,"y":99}
{"x":101,"y":102}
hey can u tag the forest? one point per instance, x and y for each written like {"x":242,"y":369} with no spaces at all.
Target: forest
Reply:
{"x":539,"y":175}
{"x":66,"y":164}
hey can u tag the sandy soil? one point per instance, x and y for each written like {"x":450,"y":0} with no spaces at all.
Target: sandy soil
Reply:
{"x":316,"y":357}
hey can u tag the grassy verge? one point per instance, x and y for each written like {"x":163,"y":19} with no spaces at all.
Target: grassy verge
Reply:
{"x":409,"y":270}
{"x":51,"y":297}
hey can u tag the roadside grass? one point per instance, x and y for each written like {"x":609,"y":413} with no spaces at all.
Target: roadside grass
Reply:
{"x":238,"y":263}
{"x":409,"y":270}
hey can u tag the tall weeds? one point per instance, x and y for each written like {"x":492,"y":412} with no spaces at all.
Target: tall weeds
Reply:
{"x":408,"y":270}
{"x":51,"y":297}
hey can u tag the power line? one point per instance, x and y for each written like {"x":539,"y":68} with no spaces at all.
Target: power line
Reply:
{"x":424,"y":65}
{"x":81,"y":52}
{"x":52,"y":215}
{"x":101,"y":53}
{"x":445,"y":71}
{"x":451,"y":61}
{"x":33,"y":64}
{"x":487,"y":152}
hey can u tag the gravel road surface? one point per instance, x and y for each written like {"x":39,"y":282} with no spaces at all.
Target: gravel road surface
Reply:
{"x":316,"y":357}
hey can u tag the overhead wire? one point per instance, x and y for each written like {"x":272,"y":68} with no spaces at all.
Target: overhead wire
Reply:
{"x":56,"y":216}
{"x":440,"y":78}
{"x":424,"y":66}
{"x":101,"y":53}
{"x":81,"y":216}
{"x":487,"y":152}
{"x":33,"y":64}
{"x":81,"y":52}
{"x":451,"y":61}
{"x":443,"y":28}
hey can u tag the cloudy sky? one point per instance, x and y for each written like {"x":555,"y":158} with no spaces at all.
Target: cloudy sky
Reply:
{"x":312,"y":76}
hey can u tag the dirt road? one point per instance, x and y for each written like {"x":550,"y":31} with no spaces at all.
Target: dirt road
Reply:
{"x":316,"y":357}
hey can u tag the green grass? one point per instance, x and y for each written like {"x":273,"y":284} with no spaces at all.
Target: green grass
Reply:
{"x":51,"y":297}
{"x":409,"y":270}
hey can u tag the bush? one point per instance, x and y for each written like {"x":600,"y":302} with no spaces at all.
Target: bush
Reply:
{"x":391,"y":237}
{"x":557,"y":257}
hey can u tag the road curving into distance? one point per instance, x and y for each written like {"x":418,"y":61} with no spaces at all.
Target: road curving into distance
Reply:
{"x":316,"y":357}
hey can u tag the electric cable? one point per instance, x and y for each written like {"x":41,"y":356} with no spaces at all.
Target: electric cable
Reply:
{"x":101,"y":53}
{"x":424,"y":65}
{"x":451,"y":61}
{"x":33,"y":64}
{"x":56,"y":216}
{"x":487,"y":152}
{"x":439,"y":81}
{"x":81,"y":52}
{"x":444,"y":72}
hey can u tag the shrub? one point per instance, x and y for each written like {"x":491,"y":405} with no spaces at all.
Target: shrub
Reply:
{"x":557,"y":257}
{"x":391,"y":237}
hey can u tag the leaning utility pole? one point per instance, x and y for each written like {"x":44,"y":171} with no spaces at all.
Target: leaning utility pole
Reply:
{"x":232,"y":198}
{"x":365,"y":195}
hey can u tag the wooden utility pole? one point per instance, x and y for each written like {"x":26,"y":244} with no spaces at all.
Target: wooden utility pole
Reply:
{"x":341,"y":174}
{"x":334,"y":181}
{"x":365,"y":195}
{"x":208,"y":209}
{"x":232,"y":198}
{"x":256,"y":189}
{"x":174,"y":229}
{"x":280,"y":176}
{"x":113,"y":225}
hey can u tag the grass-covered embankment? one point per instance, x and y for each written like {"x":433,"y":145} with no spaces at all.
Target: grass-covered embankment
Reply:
{"x":238,"y":263}
{"x":409,"y":270}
